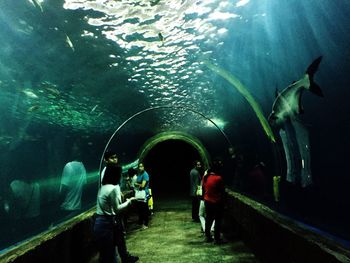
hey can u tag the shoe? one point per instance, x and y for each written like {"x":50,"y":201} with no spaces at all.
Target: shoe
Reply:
{"x":209,"y":239}
{"x":144,"y":227}
{"x":131,"y":259}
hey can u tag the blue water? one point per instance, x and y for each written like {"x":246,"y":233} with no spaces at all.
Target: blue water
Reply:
{"x":71,"y":72}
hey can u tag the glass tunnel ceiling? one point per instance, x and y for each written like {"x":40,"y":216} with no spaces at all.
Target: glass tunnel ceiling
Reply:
{"x":89,"y":65}
{"x":133,"y":139}
{"x":72,"y":72}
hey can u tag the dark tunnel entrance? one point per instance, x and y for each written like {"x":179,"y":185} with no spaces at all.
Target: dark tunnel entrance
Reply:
{"x":168,"y":164}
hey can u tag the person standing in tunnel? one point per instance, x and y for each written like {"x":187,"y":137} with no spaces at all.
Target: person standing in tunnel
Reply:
{"x":201,"y":213}
{"x":24,"y":207}
{"x":142,"y":183}
{"x":214,"y":197}
{"x":109,"y":230}
{"x":72,"y":183}
{"x":195,"y":182}
{"x":131,"y":179}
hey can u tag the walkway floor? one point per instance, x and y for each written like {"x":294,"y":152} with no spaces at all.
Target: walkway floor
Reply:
{"x":173,"y":237}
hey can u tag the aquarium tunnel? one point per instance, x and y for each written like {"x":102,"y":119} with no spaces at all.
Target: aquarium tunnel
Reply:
{"x":262,"y":85}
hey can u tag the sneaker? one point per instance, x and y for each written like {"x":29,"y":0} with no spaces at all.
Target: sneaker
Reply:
{"x":144,"y":227}
{"x":131,"y":259}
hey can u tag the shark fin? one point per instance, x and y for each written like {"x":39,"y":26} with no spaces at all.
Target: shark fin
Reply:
{"x":315,"y":89}
{"x":311,"y":70}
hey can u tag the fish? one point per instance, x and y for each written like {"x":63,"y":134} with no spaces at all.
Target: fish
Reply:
{"x":53,"y":90}
{"x":153,"y":3}
{"x":287,"y":103}
{"x":30,"y":94}
{"x":33,"y":108}
{"x":94,"y":108}
{"x":69,"y":43}
{"x":38,"y":5}
{"x":160,"y":36}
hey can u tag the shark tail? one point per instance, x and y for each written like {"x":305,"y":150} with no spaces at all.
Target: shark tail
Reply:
{"x":311,"y":70}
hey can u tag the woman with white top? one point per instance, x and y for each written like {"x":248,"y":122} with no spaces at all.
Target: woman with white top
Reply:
{"x":108,"y":229}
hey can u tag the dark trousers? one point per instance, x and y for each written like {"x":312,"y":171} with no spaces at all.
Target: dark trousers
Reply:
{"x":195,"y":208}
{"x":109,"y":234}
{"x":119,"y":239}
{"x":143,"y":212}
{"x":213,"y":212}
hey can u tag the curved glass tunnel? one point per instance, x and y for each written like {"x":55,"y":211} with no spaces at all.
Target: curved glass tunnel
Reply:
{"x":168,"y":155}
{"x":72,"y":72}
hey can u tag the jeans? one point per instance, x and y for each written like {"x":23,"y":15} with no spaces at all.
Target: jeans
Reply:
{"x":109,"y":234}
{"x":213,"y":212}
{"x":143,"y":212}
{"x":195,"y":208}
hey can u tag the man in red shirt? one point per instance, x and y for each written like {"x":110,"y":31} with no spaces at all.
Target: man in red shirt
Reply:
{"x":214,"y":196}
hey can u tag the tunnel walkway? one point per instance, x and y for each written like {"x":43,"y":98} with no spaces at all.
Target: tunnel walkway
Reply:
{"x":173,"y":237}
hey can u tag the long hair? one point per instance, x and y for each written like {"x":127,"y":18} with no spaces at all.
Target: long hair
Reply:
{"x":215,"y":168}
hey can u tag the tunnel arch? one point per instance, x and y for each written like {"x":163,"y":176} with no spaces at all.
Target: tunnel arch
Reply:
{"x":230,"y":146}
{"x":168,"y":158}
{"x":175,"y":135}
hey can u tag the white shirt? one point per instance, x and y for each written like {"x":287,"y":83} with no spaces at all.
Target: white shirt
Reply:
{"x":109,"y":200}
{"x":74,"y":178}
{"x":133,"y":181}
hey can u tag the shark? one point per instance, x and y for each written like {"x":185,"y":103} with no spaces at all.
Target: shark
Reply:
{"x":287,"y":103}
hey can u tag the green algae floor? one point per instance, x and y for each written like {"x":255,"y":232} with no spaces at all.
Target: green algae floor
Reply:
{"x":173,"y":237}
